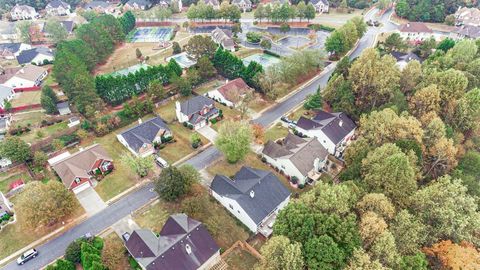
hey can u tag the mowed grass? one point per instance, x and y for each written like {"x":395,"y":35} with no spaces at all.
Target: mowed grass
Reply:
{"x":26,"y":98}
{"x":14,"y":236}
{"x":182,"y":146}
{"x":276,"y":132}
{"x":208,"y":86}
{"x":240,"y":260}
{"x":199,"y":205}
{"x":335,"y":17}
{"x":45,"y":131}
{"x":11,"y":176}
{"x":125,"y":56}
{"x":31,"y":117}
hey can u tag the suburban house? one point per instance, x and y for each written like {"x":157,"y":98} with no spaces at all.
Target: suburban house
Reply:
{"x":253,"y":196}
{"x":103,"y":7}
{"x":231,"y":93}
{"x":415,"y":31}
{"x":11,"y":50}
{"x":404,"y":58}
{"x":57,"y":8}
{"x":214,"y":3}
{"x":37,"y":55}
{"x":7,"y":73}
{"x":137,"y":5}
{"x":243,"y":5}
{"x":196,"y":111}
{"x":27,"y":76}
{"x":141,"y":139}
{"x":302,"y":158}
{"x":223,"y":37}
{"x":321,"y":6}
{"x":6,"y":94}
{"x":333,"y":130}
{"x":5,"y":206}
{"x":465,"y":31}
{"x":77,"y":170}
{"x":23,"y":12}
{"x":68,"y":25}
{"x":467,"y":16}
{"x":170,"y":3}
{"x":183,"y":243}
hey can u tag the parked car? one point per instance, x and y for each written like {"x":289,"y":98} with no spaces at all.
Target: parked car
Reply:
{"x":27,"y":256}
{"x":161,"y":162}
{"x":376,"y":23}
{"x":286,"y":120}
{"x":370,"y":23}
{"x":126,"y":236}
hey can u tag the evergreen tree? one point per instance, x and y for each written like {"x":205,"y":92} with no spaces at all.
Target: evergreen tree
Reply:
{"x":49,"y":100}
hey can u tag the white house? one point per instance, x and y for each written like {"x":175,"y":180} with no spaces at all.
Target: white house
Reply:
{"x":321,"y":6}
{"x":57,"y":8}
{"x":27,"y":76}
{"x":214,"y":3}
{"x":197,"y":111}
{"x":416,"y":31}
{"x":404,"y":58}
{"x":141,"y":139}
{"x":11,"y":50}
{"x":23,"y":12}
{"x":243,"y":5}
{"x":5,"y":206}
{"x":230,"y":93}
{"x":37,"y":56}
{"x":6,"y":94}
{"x":253,"y":196}
{"x":223,"y":37}
{"x":333,"y":130}
{"x":301,"y":158}
{"x":467,"y":16}
{"x":137,"y":5}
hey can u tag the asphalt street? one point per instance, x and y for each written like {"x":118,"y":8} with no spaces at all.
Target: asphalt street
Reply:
{"x":55,"y":248}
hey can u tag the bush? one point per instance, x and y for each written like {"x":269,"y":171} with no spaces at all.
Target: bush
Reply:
{"x":98,"y":243}
{"x":294,"y":180}
{"x":254,"y":37}
{"x":264,"y":160}
{"x":301,"y":186}
{"x":73,"y":251}
{"x":321,"y":27}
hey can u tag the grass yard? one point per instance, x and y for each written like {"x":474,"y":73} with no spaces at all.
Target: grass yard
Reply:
{"x":32,"y":117}
{"x":259,"y":103}
{"x":167,"y":111}
{"x":183,"y":145}
{"x":240,"y":259}
{"x":228,"y":114}
{"x":46,"y":131}
{"x":224,"y":228}
{"x":245,"y":52}
{"x":111,"y":239}
{"x":208,"y":86}
{"x":26,"y":98}
{"x":12,"y":175}
{"x":336,"y":18}
{"x":275,"y":132}
{"x":125,"y":56}
{"x":159,"y":56}
{"x":295,"y":115}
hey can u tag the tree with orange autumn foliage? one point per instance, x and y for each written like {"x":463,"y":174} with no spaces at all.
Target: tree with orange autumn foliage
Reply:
{"x":258,"y":133}
{"x":448,"y":255}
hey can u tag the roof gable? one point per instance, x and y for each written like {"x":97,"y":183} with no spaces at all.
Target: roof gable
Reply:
{"x":334,"y":125}
{"x":195,"y":105}
{"x":144,"y":133}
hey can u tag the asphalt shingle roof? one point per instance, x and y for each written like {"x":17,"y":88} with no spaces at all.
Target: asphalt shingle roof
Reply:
{"x":334,"y":125}
{"x":11,"y":47}
{"x":144,"y":133}
{"x":268,"y":191}
{"x":195,"y":104}
{"x":25,"y":57}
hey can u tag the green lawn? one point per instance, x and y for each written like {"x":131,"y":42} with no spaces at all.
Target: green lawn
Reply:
{"x":295,"y":115}
{"x":26,"y":98}
{"x":33,"y":118}
{"x":276,"y":132}
{"x":182,"y":146}
{"x":46,"y":131}
{"x":208,"y":86}
{"x":10,"y":177}
{"x":167,"y":111}
{"x":228,"y":114}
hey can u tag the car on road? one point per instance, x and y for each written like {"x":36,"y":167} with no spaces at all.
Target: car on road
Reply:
{"x":161,"y":162}
{"x":27,"y":256}
{"x":125,"y":236}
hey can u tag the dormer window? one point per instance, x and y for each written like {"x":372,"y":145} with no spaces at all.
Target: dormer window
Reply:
{"x":77,"y":180}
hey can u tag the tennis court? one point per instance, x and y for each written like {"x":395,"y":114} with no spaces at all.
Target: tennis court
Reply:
{"x":263,"y":59}
{"x":150,"y":34}
{"x":128,"y":70}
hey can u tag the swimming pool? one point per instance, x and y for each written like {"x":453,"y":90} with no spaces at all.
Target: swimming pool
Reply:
{"x":183,"y":60}
{"x":263,"y":59}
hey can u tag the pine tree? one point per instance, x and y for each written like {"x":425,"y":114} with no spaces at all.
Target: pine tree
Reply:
{"x":49,"y":100}
{"x":314,"y":101}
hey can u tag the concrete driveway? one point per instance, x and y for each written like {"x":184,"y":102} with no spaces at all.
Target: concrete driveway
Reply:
{"x":91,"y":201}
{"x":208,"y":133}
{"x":126,"y":224}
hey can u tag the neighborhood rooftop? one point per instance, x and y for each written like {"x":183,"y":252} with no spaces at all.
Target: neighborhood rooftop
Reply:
{"x":144,"y":133}
{"x":335,"y":125}
{"x":195,"y":104}
{"x":416,"y":27}
{"x":25,"y":57}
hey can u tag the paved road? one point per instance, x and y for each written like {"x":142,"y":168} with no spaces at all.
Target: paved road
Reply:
{"x":133,"y":201}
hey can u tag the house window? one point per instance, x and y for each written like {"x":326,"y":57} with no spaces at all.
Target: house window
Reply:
{"x":230,"y":206}
{"x":238,"y":211}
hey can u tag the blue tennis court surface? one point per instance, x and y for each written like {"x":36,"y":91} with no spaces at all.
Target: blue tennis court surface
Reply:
{"x":150,"y":34}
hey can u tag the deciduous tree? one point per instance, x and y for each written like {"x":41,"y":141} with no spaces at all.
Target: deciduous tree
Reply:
{"x":280,"y":253}
{"x":234,"y":140}
{"x":448,"y":255}
{"x":377,"y":203}
{"x":409,"y":232}
{"x":15,"y":149}
{"x":140,"y":165}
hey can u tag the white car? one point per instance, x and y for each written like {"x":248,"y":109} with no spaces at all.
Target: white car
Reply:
{"x":27,"y":256}
{"x":161,"y":162}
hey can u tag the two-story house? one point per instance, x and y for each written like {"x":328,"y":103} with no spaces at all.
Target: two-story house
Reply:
{"x":243,"y":5}
{"x":137,"y":5}
{"x":77,"y":170}
{"x":27,"y":76}
{"x":333,"y":130}
{"x":416,"y":32}
{"x":253,"y":196}
{"x":183,"y":243}
{"x":297,"y":157}
{"x":196,"y":111}
{"x":5,"y":206}
{"x":23,"y":12}
{"x":214,"y":3}
{"x":321,"y":6}
{"x":57,"y":8}
{"x":141,"y":139}
{"x":223,"y":37}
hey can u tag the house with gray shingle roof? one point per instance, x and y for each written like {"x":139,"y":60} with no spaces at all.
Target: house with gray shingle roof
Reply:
{"x":57,"y":8}
{"x":141,"y":139}
{"x":23,"y":12}
{"x":321,"y":6}
{"x":12,"y":50}
{"x":253,"y":196}
{"x":196,"y":112}
{"x":38,"y":56}
{"x":6,"y":94}
{"x":183,"y":243}
{"x":137,"y":5}
{"x":5,"y":206}
{"x":333,"y":130}
{"x":302,"y":158}
{"x":243,"y":5}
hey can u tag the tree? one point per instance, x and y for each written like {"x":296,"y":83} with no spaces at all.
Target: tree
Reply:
{"x":49,"y":100}
{"x":377,"y":203}
{"x":113,"y":254}
{"x":310,"y":12}
{"x":259,"y":12}
{"x":266,"y":44}
{"x":280,"y":253}
{"x":469,"y":171}
{"x":52,"y":201}
{"x":447,"y":211}
{"x":284,"y":28}
{"x":205,"y":68}
{"x":426,"y":47}
{"x":446,"y":44}
{"x":402,"y":8}
{"x":425,"y":100}
{"x":155,"y":89}
{"x":448,"y":255}
{"x":56,"y":30}
{"x":23,"y":29}
{"x":467,"y":112}
{"x":73,"y":251}
{"x":374,"y":79}
{"x":138,"y":53}
{"x":332,"y":199}
{"x":410,"y":77}
{"x":384,"y":250}
{"x":176,"y":48}
{"x":409,"y":232}
{"x":173,"y":182}
{"x":370,"y":227}
{"x":183,"y":85}
{"x":339,"y":95}
{"x":314,"y":101}
{"x":15,"y":149}
{"x":199,"y":46}
{"x":40,"y":159}
{"x":390,"y":171}
{"x":61,"y":264}
{"x":394,"y":42}
{"x":414,"y":262}
{"x":234,"y":140}
{"x":140,"y":165}
{"x":323,"y":253}
{"x":362,"y":261}
{"x":440,"y":158}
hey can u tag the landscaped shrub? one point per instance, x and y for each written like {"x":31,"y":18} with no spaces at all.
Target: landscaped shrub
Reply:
{"x":61,"y":264}
{"x":73,"y":251}
{"x":98,"y":243}
{"x":254,"y":37}
{"x":321,"y":27}
{"x":294,"y":180}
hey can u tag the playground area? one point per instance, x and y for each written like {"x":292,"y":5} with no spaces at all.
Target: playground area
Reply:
{"x":263,"y":59}
{"x":150,"y":34}
{"x":183,"y":60}
{"x":128,"y":70}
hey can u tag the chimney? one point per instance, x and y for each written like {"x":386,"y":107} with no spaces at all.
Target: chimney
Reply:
{"x":188,"y":249}
{"x":408,"y":24}
{"x":252,"y":193}
{"x":340,"y":123}
{"x":140,"y":121}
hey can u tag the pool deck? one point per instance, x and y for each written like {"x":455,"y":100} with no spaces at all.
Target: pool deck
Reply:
{"x":182,"y":60}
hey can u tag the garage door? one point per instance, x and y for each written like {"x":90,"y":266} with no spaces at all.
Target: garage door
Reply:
{"x":82,"y":187}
